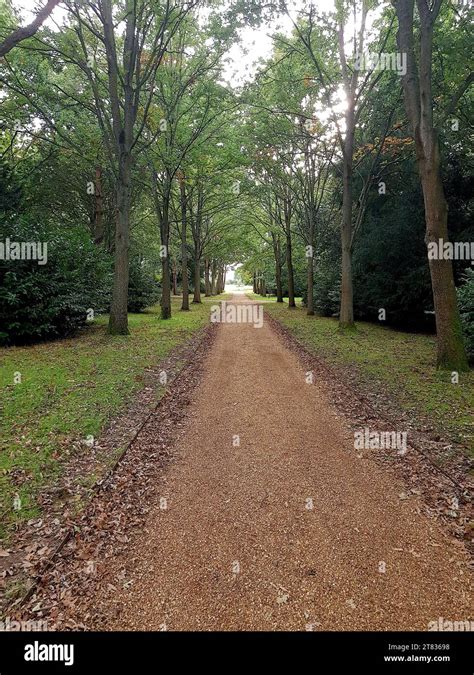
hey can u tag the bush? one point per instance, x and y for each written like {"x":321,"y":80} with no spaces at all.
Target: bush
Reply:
{"x":47,"y":301}
{"x":390,"y":266}
{"x":143,"y":287}
{"x":466,"y":307}
{"x":327,"y":288}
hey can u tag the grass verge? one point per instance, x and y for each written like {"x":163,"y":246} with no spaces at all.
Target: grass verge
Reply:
{"x":401,"y":364}
{"x":56,"y":394}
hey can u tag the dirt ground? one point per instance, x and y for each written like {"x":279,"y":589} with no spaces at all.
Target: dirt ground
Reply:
{"x":268,"y":519}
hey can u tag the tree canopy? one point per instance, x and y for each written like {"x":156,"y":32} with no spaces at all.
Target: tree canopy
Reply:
{"x":149,"y":168}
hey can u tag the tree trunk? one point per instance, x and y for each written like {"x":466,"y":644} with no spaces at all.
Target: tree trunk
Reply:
{"x":98,"y":208}
{"x":277,"y":255}
{"x":123,"y":138}
{"x":310,"y":302}
{"x":346,"y":313}
{"x":220,"y":280}
{"x":451,"y":352}
{"x":197,"y":277}
{"x":184,"y":248}
{"x":165,"y":259}
{"x":255,"y":282}
{"x":207,"y":283}
{"x":175,"y":277}
{"x":118,"y":319}
{"x":213,"y":277}
{"x":223,"y":276}
{"x":417,"y":88}
{"x":165,"y":289}
{"x":289,"y":264}
{"x":196,"y":230}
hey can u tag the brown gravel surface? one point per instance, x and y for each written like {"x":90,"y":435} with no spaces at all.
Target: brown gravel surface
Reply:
{"x":286,"y":527}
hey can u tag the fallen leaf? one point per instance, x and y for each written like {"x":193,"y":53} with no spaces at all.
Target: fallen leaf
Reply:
{"x":283,"y":599}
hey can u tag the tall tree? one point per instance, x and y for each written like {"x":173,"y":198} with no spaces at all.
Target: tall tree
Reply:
{"x":334,"y":65}
{"x":133,"y":58}
{"x":418,"y":91}
{"x":184,"y":242}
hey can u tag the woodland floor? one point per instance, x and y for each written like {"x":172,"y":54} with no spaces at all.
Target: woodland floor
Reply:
{"x":285,"y":528}
{"x":73,"y":388}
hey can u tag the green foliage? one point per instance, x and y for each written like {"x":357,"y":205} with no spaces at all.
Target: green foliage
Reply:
{"x":390,"y":263}
{"x":327,"y":287}
{"x":466,"y":307}
{"x":143,"y":287}
{"x":51,"y":300}
{"x":201,"y":127}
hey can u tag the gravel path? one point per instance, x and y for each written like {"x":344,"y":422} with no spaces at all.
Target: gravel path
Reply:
{"x":284,"y":527}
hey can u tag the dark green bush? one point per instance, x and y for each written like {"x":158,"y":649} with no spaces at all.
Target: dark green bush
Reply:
{"x":466,"y":307}
{"x":143,"y":287}
{"x":40,"y":302}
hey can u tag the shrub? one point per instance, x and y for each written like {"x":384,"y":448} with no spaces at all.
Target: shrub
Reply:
{"x":40,"y":302}
{"x":466,"y":307}
{"x":143,"y":287}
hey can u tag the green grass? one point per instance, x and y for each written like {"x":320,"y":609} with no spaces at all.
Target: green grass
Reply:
{"x":400,"y":364}
{"x":71,"y":389}
{"x":269,"y":298}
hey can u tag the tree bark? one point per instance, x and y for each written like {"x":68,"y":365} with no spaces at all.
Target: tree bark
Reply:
{"x":220,"y":280}
{"x":197,"y":276}
{"x":184,"y":247}
{"x":289,"y":264}
{"x":310,"y":281}
{"x":213,"y":277}
{"x":207,"y":283}
{"x":28,"y":31}
{"x":98,"y":208}
{"x":451,"y":353}
{"x":346,"y":313}
{"x":277,"y":255}
{"x":165,"y":258}
{"x":417,"y":87}
{"x":175,"y":277}
{"x":118,"y":319}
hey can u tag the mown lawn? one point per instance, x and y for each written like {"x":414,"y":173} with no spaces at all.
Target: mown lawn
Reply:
{"x":397,"y":363}
{"x":69,"y":390}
